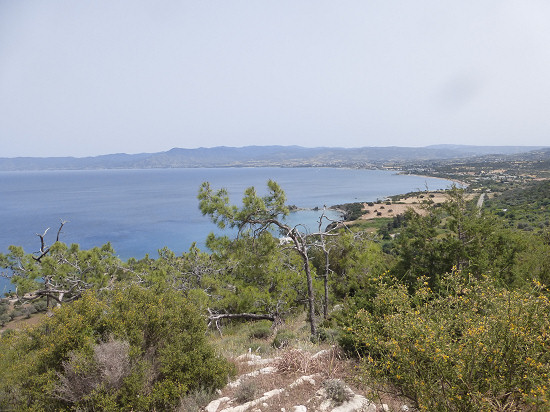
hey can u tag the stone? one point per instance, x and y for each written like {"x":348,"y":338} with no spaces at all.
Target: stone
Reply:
{"x":214,"y":405}
{"x":357,"y":403}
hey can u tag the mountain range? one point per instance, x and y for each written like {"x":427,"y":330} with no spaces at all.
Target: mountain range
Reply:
{"x":263,"y":156}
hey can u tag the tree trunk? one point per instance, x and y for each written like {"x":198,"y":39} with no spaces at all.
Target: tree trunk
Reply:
{"x":327,"y":271}
{"x":310,"y":295}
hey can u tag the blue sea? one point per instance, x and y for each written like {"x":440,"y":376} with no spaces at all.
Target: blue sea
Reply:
{"x":142,"y":211}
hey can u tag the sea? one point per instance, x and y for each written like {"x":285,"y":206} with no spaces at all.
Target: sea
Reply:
{"x":142,"y":211}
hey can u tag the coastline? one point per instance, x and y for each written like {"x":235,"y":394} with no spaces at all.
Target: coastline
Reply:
{"x":459,"y":182}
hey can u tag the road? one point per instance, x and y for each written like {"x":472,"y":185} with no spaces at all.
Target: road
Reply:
{"x":480,"y":201}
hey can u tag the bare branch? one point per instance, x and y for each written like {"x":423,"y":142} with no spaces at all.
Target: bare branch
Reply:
{"x":43,"y":250}
{"x":250,"y":316}
{"x":60,"y":227}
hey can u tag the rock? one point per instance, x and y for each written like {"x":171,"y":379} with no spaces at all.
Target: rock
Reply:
{"x":325,"y":405}
{"x":214,"y":405}
{"x":337,"y":308}
{"x":248,"y":357}
{"x":246,"y":406}
{"x":309,"y":379}
{"x":320,"y":353}
{"x":357,"y":403}
{"x":260,"y":361}
{"x":299,"y":408}
{"x":263,"y":371}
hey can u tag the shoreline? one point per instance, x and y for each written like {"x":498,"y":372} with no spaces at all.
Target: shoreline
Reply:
{"x":460,"y":182}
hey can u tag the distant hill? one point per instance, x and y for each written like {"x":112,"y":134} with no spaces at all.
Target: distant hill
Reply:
{"x":262,"y":156}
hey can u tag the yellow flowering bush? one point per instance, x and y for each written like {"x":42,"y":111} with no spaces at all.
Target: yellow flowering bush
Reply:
{"x":474,"y":346}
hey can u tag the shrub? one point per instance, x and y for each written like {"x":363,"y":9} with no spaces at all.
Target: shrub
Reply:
{"x":474,"y":347}
{"x":40,"y":306}
{"x":337,"y":391}
{"x":246,"y":391}
{"x":29,"y":310}
{"x":196,"y":400}
{"x":261,"y":330}
{"x":134,"y":349}
{"x":16,"y":313}
{"x":282,"y":339}
{"x":325,"y":335}
{"x":4,"y":306}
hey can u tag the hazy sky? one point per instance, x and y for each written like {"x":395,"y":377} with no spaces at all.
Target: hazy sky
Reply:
{"x":85,"y":78}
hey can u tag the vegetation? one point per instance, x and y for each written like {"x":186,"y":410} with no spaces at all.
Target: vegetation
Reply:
{"x":260,"y":214}
{"x":132,"y":349}
{"x":473,"y":346}
{"x":525,"y":207}
{"x":337,"y":391}
{"x":60,"y":273}
{"x":446,"y":305}
{"x":351,"y":211}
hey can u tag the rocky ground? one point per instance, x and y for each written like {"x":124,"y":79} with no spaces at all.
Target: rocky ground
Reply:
{"x":298,"y":381}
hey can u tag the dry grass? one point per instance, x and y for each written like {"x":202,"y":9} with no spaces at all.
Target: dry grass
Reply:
{"x":417,"y":203}
{"x":22,"y":322}
{"x":327,"y":362}
{"x":380,"y":210}
{"x":238,"y":338}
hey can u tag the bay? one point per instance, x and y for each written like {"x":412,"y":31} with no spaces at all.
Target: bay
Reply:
{"x":142,"y":211}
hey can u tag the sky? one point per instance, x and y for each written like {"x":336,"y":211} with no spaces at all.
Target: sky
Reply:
{"x":84,"y":78}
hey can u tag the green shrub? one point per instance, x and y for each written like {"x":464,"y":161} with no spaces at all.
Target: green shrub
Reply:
{"x":196,"y":400}
{"x":246,"y":391}
{"x":40,"y":306}
{"x":6,"y":333}
{"x":16,"y":313}
{"x":282,"y":339}
{"x":476,"y":346}
{"x":260,"y":330}
{"x":4,"y":318}
{"x":337,"y":391}
{"x":4,"y":306}
{"x":134,"y":349}
{"x":29,"y":310}
{"x":326,"y":335}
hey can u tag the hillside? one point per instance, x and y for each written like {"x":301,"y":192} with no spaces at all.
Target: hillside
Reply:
{"x":262,"y":156}
{"x":436,"y":310}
